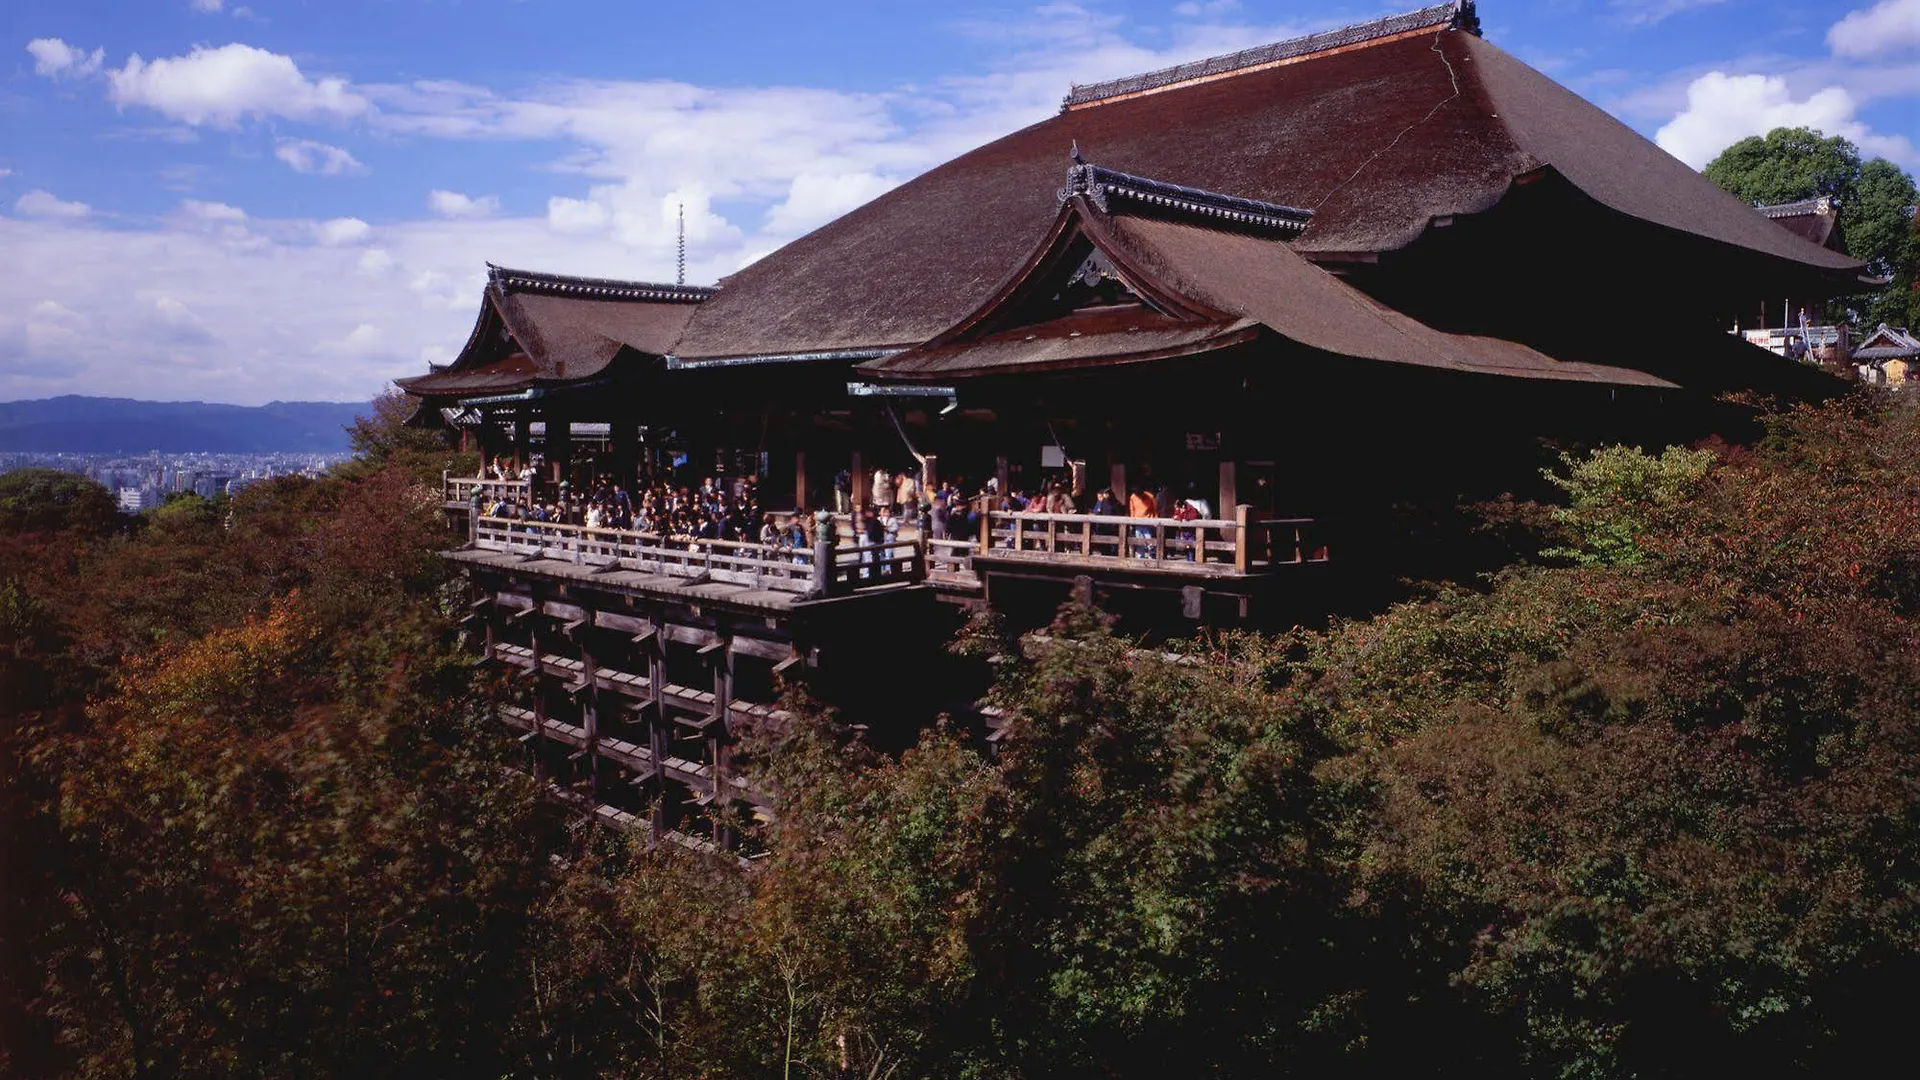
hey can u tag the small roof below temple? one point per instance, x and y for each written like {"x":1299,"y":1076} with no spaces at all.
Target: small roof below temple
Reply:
{"x":1888,"y":343}
{"x":1126,"y":279}
{"x":547,"y":330}
{"x":1815,"y":220}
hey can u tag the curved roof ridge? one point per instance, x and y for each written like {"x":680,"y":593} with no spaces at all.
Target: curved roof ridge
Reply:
{"x":1101,"y":185}
{"x":1456,"y":14}
{"x":589,"y":288}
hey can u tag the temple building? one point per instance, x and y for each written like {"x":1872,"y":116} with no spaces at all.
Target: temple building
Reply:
{"x":1326,"y":288}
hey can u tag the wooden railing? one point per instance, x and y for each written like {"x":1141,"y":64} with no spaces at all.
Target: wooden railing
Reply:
{"x":951,"y":561}
{"x":834,"y":566}
{"x":825,"y":570}
{"x":1204,"y":546}
{"x":876,"y":564}
{"x":460,"y":489}
{"x":1287,"y":542}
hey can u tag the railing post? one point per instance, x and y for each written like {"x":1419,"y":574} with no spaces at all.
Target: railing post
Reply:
{"x":986,"y":529}
{"x":473,"y":518}
{"x":826,"y":536}
{"x":1242,"y":538}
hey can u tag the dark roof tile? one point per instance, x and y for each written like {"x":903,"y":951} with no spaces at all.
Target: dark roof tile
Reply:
{"x":1377,"y":140}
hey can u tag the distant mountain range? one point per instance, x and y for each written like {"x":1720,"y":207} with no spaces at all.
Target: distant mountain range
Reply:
{"x":95,"y":425}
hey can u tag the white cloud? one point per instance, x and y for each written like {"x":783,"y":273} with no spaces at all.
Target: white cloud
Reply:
{"x":211,"y":7}
{"x":575,"y":216}
{"x":1886,"y":27}
{"x":179,"y":324}
{"x":1205,"y":8}
{"x":211,"y":211}
{"x":453,"y":204}
{"x":56,"y":59}
{"x":342,"y":231}
{"x":4,"y":173}
{"x":813,"y":200}
{"x":223,"y":85}
{"x":1650,"y":12}
{"x":41,"y":204}
{"x":317,"y":158}
{"x":1723,"y":109}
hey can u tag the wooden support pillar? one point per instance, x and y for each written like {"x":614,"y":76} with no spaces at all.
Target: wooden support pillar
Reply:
{"x":799,"y":479}
{"x":929,"y":475}
{"x":539,"y":703}
{"x":1002,"y":473}
{"x":1117,"y":480}
{"x":657,"y":742}
{"x":719,"y":736}
{"x":559,"y":443}
{"x":860,"y":483}
{"x":1229,"y":491}
{"x":522,"y":438}
{"x":1243,"y":538}
{"x":466,"y":440}
{"x":625,"y":437}
{"x":590,"y":704}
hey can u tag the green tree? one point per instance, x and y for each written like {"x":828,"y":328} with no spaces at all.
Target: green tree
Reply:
{"x":1787,"y":164}
{"x":383,"y":437}
{"x":46,"y":500}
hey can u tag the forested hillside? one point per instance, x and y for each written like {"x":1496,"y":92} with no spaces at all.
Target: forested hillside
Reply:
{"x":1643,"y":803}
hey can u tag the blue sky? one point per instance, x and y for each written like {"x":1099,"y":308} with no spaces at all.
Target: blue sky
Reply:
{"x":296,"y":198}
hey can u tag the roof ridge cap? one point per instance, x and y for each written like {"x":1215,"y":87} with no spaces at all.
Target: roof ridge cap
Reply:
{"x":1455,"y":14}
{"x":1100,"y":186}
{"x":588,"y":288}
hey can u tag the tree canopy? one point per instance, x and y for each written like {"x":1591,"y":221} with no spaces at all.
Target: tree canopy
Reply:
{"x":47,"y":500}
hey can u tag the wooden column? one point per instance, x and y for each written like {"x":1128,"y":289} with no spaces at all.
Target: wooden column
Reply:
{"x":1243,"y":538}
{"x":539,"y":743}
{"x":625,"y":437}
{"x":1229,"y":493}
{"x":859,"y":488}
{"x":799,"y":479}
{"x":522,"y":437}
{"x":719,"y":749}
{"x":1002,"y":473}
{"x":589,"y":704}
{"x":654,"y":648}
{"x":929,"y":475}
{"x":1117,"y":480}
{"x":559,"y":443}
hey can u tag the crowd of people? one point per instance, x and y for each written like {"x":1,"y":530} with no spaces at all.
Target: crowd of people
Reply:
{"x":715,"y":510}
{"x":897,"y":506}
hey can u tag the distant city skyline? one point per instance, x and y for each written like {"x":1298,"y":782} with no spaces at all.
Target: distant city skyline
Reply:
{"x":242,"y":203}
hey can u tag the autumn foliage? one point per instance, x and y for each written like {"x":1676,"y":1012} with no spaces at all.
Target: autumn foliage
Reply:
{"x":1643,"y":803}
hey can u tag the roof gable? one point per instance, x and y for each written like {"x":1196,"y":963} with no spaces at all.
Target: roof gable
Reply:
{"x":546,"y":329}
{"x":1180,"y":283}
